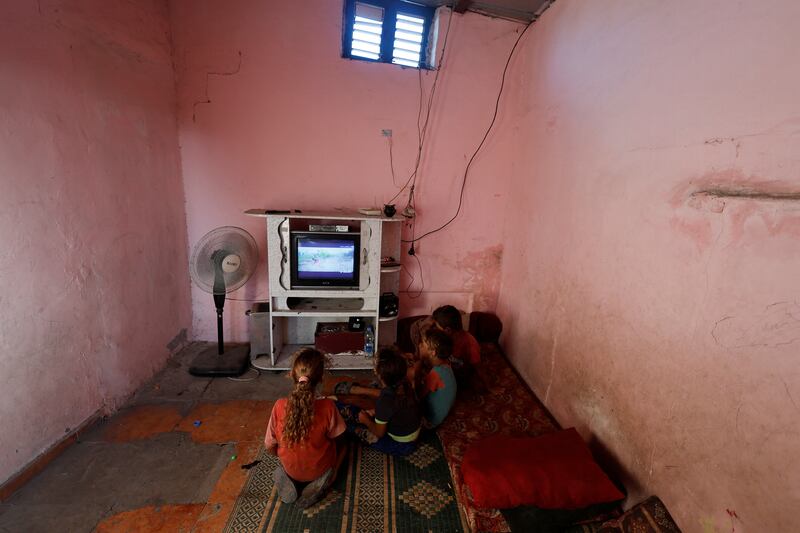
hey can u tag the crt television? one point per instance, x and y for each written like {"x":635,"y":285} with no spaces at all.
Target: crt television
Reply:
{"x":325,"y":260}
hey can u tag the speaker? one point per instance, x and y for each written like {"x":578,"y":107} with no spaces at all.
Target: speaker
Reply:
{"x":389,"y":304}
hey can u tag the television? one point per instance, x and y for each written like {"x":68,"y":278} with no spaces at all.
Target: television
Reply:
{"x":323,"y":260}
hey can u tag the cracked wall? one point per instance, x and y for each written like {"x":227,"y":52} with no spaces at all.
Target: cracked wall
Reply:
{"x":92,"y":221}
{"x":271,"y":116}
{"x":650,"y":277}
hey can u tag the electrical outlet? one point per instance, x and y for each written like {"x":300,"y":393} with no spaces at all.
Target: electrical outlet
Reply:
{"x":386,"y":133}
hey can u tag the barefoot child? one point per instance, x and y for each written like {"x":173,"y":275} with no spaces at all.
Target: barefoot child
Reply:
{"x":393,"y":426}
{"x":302,"y":432}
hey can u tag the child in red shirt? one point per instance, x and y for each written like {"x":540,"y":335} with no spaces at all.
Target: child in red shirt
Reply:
{"x":465,"y":348}
{"x":466,"y":356}
{"x":302,"y":432}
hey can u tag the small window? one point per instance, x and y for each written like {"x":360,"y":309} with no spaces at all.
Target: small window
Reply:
{"x":388,"y":31}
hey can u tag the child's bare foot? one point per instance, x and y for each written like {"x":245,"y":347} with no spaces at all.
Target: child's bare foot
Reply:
{"x":287,"y":492}
{"x":315,"y":490}
{"x":343,"y":388}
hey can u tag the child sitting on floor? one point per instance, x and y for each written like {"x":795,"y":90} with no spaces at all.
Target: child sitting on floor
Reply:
{"x":466,"y":350}
{"x":466,"y":356}
{"x":437,"y":386}
{"x":393,"y":426}
{"x":465,"y":347}
{"x":302,"y":432}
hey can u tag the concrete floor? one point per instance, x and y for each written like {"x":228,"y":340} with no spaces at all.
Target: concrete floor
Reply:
{"x":152,"y":467}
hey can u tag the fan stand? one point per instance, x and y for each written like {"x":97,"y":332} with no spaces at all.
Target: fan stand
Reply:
{"x":220,"y":360}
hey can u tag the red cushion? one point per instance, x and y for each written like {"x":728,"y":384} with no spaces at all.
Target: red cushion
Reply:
{"x":553,"y":471}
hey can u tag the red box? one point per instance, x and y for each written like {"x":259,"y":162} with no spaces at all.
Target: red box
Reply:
{"x":336,"y":337}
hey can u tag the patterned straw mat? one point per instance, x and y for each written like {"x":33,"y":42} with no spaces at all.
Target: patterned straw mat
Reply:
{"x":372,"y":493}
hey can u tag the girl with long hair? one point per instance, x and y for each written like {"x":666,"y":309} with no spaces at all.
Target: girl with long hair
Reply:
{"x":303,"y":431}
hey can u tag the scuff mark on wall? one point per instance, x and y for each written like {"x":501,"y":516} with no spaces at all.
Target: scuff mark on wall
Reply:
{"x":777,"y":325}
{"x":732,"y":183}
{"x":552,"y":366}
{"x":734,"y":518}
{"x":746,"y":192}
{"x":482,"y":269}
{"x":177,"y":342}
{"x":708,"y":525}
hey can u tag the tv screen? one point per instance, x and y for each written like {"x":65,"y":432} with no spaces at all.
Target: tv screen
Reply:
{"x":325,"y":260}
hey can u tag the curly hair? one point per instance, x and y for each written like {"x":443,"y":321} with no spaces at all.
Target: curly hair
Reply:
{"x":309,"y":364}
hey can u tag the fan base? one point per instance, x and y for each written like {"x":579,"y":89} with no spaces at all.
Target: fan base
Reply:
{"x":233,"y":362}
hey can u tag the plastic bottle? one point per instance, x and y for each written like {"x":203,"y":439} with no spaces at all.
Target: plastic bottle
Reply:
{"x":369,"y":341}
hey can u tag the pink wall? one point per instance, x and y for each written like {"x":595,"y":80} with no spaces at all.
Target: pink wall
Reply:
{"x":296,"y":126}
{"x":665,"y":326}
{"x":92,"y":222}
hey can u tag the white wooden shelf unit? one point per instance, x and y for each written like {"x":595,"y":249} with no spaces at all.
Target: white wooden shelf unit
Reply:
{"x":295,"y":313}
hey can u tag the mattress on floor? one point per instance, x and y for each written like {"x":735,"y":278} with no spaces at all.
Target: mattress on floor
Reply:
{"x":506,"y":407}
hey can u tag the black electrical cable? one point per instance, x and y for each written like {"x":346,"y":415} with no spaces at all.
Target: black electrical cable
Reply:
{"x":412,"y":252}
{"x":480,"y":145}
{"x":421,"y":132}
{"x":421,"y":280}
{"x":413,"y":278}
{"x":391,"y":160}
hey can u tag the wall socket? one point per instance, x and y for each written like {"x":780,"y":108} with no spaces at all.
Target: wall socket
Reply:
{"x":386,"y":133}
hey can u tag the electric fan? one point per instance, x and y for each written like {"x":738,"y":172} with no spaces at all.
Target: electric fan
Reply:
{"x":222,"y":261}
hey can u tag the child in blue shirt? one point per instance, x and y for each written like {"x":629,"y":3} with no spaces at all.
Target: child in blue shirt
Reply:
{"x":436,"y":383}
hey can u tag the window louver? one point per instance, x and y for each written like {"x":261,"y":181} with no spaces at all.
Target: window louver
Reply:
{"x":367,"y":29}
{"x":388,"y":31}
{"x":407,"y":47}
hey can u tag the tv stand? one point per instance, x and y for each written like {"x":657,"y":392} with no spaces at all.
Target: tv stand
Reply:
{"x":295,"y":313}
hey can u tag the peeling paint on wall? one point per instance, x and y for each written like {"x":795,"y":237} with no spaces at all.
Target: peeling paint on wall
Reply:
{"x":743,"y":200}
{"x":298,"y":127}
{"x":482,"y":271}
{"x":92,"y":207}
{"x":666,"y":199}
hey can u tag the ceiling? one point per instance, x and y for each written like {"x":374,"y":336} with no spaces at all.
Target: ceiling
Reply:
{"x":523,"y":10}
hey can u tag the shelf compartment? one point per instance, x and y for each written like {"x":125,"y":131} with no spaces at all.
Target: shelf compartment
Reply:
{"x":390,"y":269}
{"x":325,"y":304}
{"x":344,"y":361}
{"x":325,"y":312}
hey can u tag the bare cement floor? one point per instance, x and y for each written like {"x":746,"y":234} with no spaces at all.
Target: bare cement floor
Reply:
{"x":170,"y":460}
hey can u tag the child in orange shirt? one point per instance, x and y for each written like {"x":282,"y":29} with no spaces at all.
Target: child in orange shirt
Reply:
{"x":302,"y":432}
